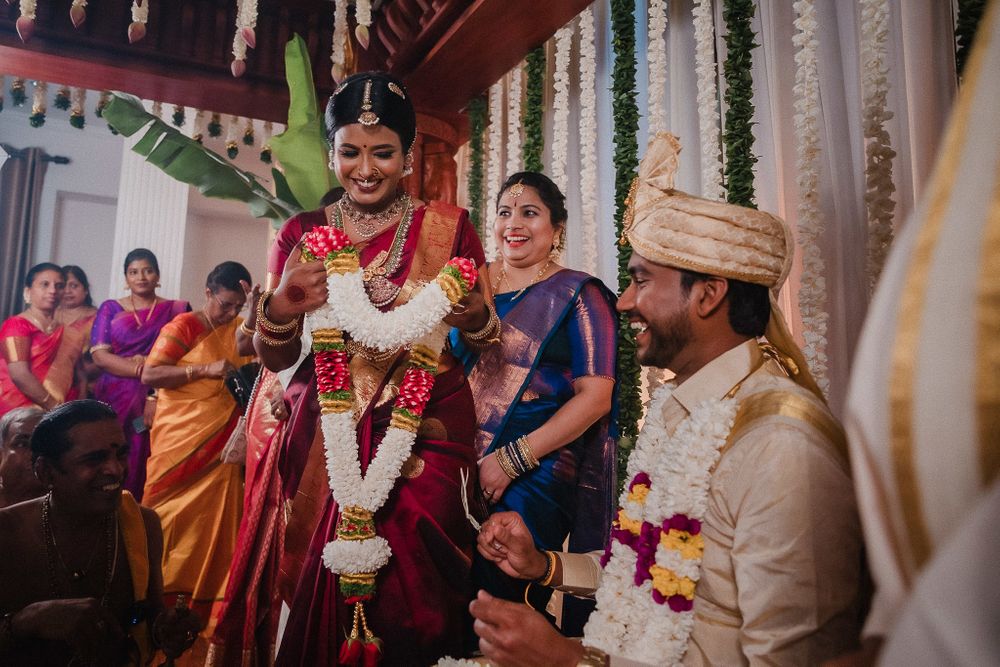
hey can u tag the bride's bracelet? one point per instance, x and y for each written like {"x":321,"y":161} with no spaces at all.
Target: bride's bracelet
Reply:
{"x":490,"y":333}
{"x":271,"y":333}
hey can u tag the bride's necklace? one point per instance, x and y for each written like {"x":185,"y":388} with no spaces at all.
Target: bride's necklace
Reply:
{"x":368,"y":225}
{"x":502,"y":278}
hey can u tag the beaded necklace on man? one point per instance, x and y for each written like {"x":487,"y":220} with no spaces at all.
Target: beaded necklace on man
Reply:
{"x":52,"y":553}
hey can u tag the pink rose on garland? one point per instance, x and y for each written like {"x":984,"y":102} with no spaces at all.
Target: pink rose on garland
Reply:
{"x":324,"y":243}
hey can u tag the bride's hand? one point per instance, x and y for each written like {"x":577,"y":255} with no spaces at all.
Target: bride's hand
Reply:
{"x":469,"y":314}
{"x":302,"y":289}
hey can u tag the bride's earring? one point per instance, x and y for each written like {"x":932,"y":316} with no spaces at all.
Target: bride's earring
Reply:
{"x":408,"y":163}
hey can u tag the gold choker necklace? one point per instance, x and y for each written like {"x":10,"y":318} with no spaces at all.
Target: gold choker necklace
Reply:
{"x":368,"y":225}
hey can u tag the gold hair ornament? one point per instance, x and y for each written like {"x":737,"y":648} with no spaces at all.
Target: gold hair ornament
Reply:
{"x":396,"y":89}
{"x":367,"y":117}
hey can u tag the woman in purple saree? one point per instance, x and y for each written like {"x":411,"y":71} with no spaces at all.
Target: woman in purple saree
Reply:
{"x":123,"y":334}
{"x":544,"y":395}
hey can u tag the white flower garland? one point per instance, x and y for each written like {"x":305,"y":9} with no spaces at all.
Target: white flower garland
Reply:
{"x":39,"y":99}
{"x":338,"y":54}
{"x":879,"y":185}
{"x":363,"y":12}
{"x":494,"y":174}
{"x":198,"y":125}
{"x":246,"y":19}
{"x":812,"y":292}
{"x":627,"y":620}
{"x":589,"y":187}
{"x":560,"y":106}
{"x":157,"y":109}
{"x":140,"y":12}
{"x":352,"y":311}
{"x":708,"y":103}
{"x":232,"y":126}
{"x":27,"y":8}
{"x":79,"y":102}
{"x":514,"y":111}
{"x":656,"y":57}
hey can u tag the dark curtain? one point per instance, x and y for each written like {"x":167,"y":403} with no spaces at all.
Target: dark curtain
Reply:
{"x":20,"y":194}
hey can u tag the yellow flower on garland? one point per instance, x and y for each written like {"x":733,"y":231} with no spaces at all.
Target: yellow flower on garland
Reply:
{"x":668,"y":583}
{"x":638,"y":493}
{"x":628,"y":523}
{"x":690,"y":546}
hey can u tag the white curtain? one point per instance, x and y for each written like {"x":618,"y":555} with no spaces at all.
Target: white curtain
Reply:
{"x":922,"y":85}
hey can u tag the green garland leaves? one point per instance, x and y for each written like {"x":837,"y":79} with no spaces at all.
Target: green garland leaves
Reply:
{"x":738,"y":136}
{"x":625,"y":113}
{"x":534,"y":141}
{"x":477,"y":129}
{"x":969,"y":14}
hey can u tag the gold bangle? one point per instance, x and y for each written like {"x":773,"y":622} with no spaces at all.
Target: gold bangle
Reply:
{"x":525,"y":449}
{"x":593,"y":657}
{"x":276,"y":342}
{"x":505,"y":463}
{"x":550,"y":569}
{"x":490,"y":331}
{"x":245,"y":329}
{"x":264,"y":322}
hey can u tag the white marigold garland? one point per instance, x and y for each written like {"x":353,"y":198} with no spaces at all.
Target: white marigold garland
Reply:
{"x":812,"y":292}
{"x":26,"y":21}
{"x":588,"y":142}
{"x":494,"y":167}
{"x":232,"y":128}
{"x":338,"y":52}
{"x":708,"y":100}
{"x":664,"y":504}
{"x":560,"y":106}
{"x":656,"y":56}
{"x":879,"y":154}
{"x":246,"y":22}
{"x":198,"y":126}
{"x":363,"y":15}
{"x":514,"y":111}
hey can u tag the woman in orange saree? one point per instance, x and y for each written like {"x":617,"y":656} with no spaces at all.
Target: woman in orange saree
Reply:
{"x":37,"y":367}
{"x":76,"y":314}
{"x":197,"y":496}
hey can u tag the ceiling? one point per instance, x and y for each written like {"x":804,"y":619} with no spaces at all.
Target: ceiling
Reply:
{"x":447,"y":51}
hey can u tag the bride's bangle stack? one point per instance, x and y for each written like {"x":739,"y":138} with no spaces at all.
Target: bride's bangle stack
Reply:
{"x":271,"y":333}
{"x":516,"y":458}
{"x":489,"y":334}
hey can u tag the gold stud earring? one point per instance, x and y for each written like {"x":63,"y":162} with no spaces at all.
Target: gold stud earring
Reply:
{"x":329,"y":163}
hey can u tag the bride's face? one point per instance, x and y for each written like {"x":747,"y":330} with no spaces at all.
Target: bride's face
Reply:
{"x":523,"y":230}
{"x":368,"y":161}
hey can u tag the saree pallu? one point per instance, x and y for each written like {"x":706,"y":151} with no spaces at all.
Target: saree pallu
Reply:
{"x":49,"y":357}
{"x":560,"y":329}
{"x":76,"y":336}
{"x":127,"y":334}
{"x":248,"y":618}
{"x":198,"y":497}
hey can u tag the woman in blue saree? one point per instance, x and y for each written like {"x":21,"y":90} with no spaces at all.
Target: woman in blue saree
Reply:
{"x":544,"y":393}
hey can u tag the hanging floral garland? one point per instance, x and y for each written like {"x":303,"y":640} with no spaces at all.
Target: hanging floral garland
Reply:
{"x":534,"y":141}
{"x":477,"y":127}
{"x":514,"y":110}
{"x":77,"y":113}
{"x":232,"y":125}
{"x":589,"y":188}
{"x":178,"y":116}
{"x":61,"y":101}
{"x":265,"y":146}
{"x":102,"y":101}
{"x":338,"y":54}
{"x":157,"y":109}
{"x":560,"y":106}
{"x":656,"y":56}
{"x":363,"y":16}
{"x":494,"y":167}
{"x":358,"y":553}
{"x":708,"y":100}
{"x":248,"y":132}
{"x":625,"y":114}
{"x":26,"y":21}
{"x":215,"y":125}
{"x":196,"y":126}
{"x":878,"y":145}
{"x":812,"y":292}
{"x":246,"y":21}
{"x":140,"y":15}
{"x":78,"y":12}
{"x":738,"y":135}
{"x":38,"y":104}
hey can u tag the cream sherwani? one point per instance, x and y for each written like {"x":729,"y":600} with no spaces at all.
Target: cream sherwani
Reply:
{"x":780,"y":573}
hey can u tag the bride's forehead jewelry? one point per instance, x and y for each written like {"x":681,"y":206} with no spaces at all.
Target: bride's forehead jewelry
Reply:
{"x":396,"y":89}
{"x":367,"y":117}
{"x":516,"y":190}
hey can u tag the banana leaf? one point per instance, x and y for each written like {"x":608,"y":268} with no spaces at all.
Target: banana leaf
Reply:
{"x":301,"y":148}
{"x":186,"y":160}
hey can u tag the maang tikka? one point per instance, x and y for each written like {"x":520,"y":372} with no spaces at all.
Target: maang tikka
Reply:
{"x":367,"y":117}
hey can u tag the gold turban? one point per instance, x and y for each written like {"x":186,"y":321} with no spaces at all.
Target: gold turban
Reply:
{"x":672,"y":228}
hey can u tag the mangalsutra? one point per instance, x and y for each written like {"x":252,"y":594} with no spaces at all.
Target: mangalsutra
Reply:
{"x":368,"y":225}
{"x":502,"y":278}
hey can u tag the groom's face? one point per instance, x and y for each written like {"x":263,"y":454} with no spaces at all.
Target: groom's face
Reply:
{"x":657,"y":308}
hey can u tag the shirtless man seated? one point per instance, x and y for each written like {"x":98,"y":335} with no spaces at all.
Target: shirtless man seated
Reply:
{"x":80,"y":566}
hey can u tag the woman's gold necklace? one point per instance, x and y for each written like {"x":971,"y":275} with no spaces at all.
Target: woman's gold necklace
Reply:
{"x":503,"y":279}
{"x":368,"y":225}
{"x":152,"y":307}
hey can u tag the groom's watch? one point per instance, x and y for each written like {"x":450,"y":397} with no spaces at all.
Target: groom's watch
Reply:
{"x":593,"y":657}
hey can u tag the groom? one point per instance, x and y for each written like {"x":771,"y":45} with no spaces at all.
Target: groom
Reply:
{"x":737,"y":540}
